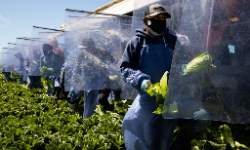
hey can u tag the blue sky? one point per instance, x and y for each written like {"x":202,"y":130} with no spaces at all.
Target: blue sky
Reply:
{"x":18,"y":16}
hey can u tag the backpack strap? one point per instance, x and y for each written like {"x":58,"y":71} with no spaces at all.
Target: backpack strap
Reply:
{"x":144,"y":42}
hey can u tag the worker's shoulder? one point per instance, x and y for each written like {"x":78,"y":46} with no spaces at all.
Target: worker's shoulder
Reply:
{"x":135,"y":39}
{"x":135,"y":42}
{"x":42,"y":57}
{"x":171,"y":36}
{"x":57,"y":55}
{"x":171,"y":40}
{"x":61,"y":50}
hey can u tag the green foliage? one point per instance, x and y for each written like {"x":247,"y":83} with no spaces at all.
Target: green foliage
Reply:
{"x":160,"y":90}
{"x":199,"y":63}
{"x":29,"y":119}
{"x":155,"y":90}
{"x":226,"y":135}
{"x":45,"y":70}
{"x":13,"y":76}
{"x":164,"y":84}
{"x":222,"y":136}
{"x":46,"y":83}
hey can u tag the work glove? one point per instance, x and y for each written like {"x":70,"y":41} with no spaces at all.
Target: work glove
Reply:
{"x":182,"y":69}
{"x":183,"y":39}
{"x":145,"y":84}
{"x":72,"y":92}
{"x":201,"y":114}
{"x":51,"y":70}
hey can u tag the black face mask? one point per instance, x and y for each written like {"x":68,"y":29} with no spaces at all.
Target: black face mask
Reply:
{"x":157,"y":25}
{"x":47,"y":52}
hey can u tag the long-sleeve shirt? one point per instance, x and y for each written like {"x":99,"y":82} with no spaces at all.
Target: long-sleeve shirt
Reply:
{"x":54,"y":61}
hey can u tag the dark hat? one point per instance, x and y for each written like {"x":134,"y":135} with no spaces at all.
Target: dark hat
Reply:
{"x":87,"y":41}
{"x":156,"y":9}
{"x":19,"y":56}
{"x":47,"y":46}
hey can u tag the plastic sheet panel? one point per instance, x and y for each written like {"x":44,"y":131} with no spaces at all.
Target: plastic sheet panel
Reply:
{"x":96,"y":41}
{"x":72,"y":18}
{"x":22,"y":55}
{"x":26,"y":42}
{"x":35,"y":51}
{"x":208,"y":78}
{"x":31,"y":46}
{"x":55,"y":39}
{"x":3,"y":58}
{"x":11,"y":61}
{"x":52,"y":58}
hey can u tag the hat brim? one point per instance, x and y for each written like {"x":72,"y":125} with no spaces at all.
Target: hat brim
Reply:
{"x":82,"y":47}
{"x":161,"y":12}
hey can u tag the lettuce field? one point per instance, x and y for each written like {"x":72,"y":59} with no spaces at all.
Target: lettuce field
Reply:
{"x":29,"y":119}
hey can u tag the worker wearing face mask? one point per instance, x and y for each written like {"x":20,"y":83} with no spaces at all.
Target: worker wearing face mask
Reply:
{"x":50,"y":64}
{"x":147,"y":57}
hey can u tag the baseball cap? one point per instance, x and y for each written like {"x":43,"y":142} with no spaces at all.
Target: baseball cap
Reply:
{"x":87,"y":41}
{"x":47,"y":46}
{"x":156,"y":9}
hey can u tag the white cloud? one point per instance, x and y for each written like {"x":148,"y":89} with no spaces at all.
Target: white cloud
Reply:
{"x":5,"y":20}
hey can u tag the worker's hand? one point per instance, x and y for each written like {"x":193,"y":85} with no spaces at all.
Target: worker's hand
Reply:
{"x":183,"y":67}
{"x":72,"y":92}
{"x":145,"y":84}
{"x":51,"y":70}
{"x":201,"y":114}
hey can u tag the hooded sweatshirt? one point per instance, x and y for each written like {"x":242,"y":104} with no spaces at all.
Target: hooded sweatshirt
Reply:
{"x":52,"y":61}
{"x":132,"y":54}
{"x":57,"y":50}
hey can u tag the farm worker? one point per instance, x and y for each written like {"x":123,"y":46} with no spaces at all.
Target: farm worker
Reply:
{"x":50,"y":64}
{"x":56,"y":49}
{"x":34,"y":81}
{"x":95,"y":86}
{"x":146,"y":58}
{"x":6,"y":74}
{"x":20,"y":68}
